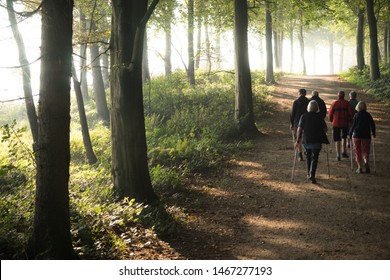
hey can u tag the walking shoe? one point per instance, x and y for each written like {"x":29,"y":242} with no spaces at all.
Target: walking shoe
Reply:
{"x":338,"y":158}
{"x":313,"y":180}
{"x":345,"y":155}
{"x":300,"y":157}
{"x":367,"y":167}
{"x":359,"y":170}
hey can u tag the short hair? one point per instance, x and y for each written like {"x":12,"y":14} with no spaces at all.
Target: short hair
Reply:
{"x":314,"y":92}
{"x":313,"y":107}
{"x":353,"y":94}
{"x":341,"y":94}
{"x":302,"y":91}
{"x":361,"y":106}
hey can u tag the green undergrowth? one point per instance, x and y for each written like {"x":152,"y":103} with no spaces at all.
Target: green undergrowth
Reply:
{"x":190,"y":131}
{"x":380,"y":88}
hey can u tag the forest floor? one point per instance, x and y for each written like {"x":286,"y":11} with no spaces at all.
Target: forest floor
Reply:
{"x":250,"y":210}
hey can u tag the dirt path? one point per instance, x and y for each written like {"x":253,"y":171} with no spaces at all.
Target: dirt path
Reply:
{"x":252,"y":211}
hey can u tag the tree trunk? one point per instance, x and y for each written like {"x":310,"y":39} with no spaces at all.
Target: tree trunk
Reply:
{"x":291,"y":48}
{"x":28,"y":96}
{"x":331,"y":51}
{"x":244,"y":99}
{"x":51,"y":237}
{"x":199,"y":44}
{"x":269,"y":77}
{"x":83,"y":119}
{"x":83,"y":59}
{"x":168,"y":50}
{"x":129,"y":152}
{"x":360,"y":40}
{"x":208,"y":47}
{"x":105,"y":72}
{"x":302,"y":44}
{"x":145,"y":60}
{"x":191,"y":59}
{"x":276,"y":49}
{"x":98,"y":85}
{"x":374,"y":52}
{"x":341,"y":64}
{"x":218,"y":49}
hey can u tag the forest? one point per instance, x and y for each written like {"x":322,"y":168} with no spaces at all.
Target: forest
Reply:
{"x":141,"y":104}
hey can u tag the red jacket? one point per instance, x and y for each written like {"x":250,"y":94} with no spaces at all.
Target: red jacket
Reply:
{"x":340,"y":113}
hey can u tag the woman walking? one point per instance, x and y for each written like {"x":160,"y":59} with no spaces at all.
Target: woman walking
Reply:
{"x":362,"y":127}
{"x":313,"y":128}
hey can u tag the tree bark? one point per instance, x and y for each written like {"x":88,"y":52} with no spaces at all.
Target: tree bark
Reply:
{"x":243,"y":96}
{"x":51,"y":237}
{"x":83,"y":119}
{"x":168,"y":50}
{"x":302,"y":44}
{"x":24,"y":63}
{"x":331,"y":55}
{"x":129,"y":151}
{"x":83,"y":59}
{"x":191,"y":59}
{"x":199,"y":43}
{"x":360,"y":40}
{"x":145,"y":60}
{"x":98,"y":85}
{"x":269,"y":77}
{"x":374,"y":48}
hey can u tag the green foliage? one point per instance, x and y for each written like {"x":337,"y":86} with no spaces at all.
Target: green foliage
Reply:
{"x":189,"y":130}
{"x":379,"y":88}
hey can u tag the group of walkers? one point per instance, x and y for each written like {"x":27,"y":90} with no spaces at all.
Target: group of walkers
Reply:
{"x":351,"y":125}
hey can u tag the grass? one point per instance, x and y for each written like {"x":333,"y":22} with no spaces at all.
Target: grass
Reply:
{"x":190,"y":130}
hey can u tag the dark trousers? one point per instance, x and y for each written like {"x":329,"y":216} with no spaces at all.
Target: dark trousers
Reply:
{"x":312,"y":161}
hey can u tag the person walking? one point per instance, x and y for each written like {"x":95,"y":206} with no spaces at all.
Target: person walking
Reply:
{"x":312,"y":130}
{"x":299,"y":107}
{"x":321,"y":103}
{"x":340,"y":114}
{"x":360,"y":132}
{"x":353,"y":101}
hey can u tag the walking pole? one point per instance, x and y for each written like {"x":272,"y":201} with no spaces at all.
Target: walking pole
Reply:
{"x":331,"y":142}
{"x":373,"y":152}
{"x":293,"y":169}
{"x":327,"y":159}
{"x":351,"y":152}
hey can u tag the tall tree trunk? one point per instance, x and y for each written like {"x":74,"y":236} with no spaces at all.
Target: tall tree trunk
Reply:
{"x":291,"y":47}
{"x":208,"y":46}
{"x":83,"y":59}
{"x":331,"y":55}
{"x":244,"y":97}
{"x":341,"y":64}
{"x":24,"y":63}
{"x":276,"y":49}
{"x":302,"y":44}
{"x":191,"y":59}
{"x":199,"y":44}
{"x":360,"y":40}
{"x":105,"y":68}
{"x":374,"y":49}
{"x":83,"y":118}
{"x":269,"y":77}
{"x":168,"y":50}
{"x":145,"y":60}
{"x":51,"y":237}
{"x":98,"y":85}
{"x":129,"y":152}
{"x":218,"y":49}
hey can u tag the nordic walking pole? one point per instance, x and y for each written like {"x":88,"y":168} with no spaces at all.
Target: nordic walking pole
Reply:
{"x":327,"y":158}
{"x":295,"y":160}
{"x":373,"y":153}
{"x":295,"y":156}
{"x":351,"y":152}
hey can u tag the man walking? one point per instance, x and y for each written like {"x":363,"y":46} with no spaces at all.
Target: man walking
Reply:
{"x":340,"y":114}
{"x":321,"y":103}
{"x":299,"y":107}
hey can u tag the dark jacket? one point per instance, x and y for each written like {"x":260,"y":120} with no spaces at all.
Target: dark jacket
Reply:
{"x":314,"y":127}
{"x":321,"y":105}
{"x":362,"y":126}
{"x":299,"y":107}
